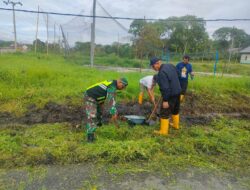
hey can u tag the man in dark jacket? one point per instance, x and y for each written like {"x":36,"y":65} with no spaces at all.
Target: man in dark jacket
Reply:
{"x":94,"y":98}
{"x":170,"y":88}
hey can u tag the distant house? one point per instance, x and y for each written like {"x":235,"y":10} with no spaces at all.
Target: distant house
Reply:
{"x":24,"y":48}
{"x":11,"y":49}
{"x":234,"y":50}
{"x":7,"y":50}
{"x":245,"y":55}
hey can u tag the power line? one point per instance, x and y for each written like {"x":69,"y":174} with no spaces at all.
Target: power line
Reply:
{"x":129,"y":18}
{"x":119,"y":24}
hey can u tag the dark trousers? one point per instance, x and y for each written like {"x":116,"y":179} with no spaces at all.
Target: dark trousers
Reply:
{"x":174,"y":107}
{"x":184,"y":85}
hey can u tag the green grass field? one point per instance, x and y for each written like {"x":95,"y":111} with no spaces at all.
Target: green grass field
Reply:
{"x":27,"y":79}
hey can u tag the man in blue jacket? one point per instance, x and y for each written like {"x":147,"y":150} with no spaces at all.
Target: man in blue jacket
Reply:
{"x":170,"y":88}
{"x":184,"y":69}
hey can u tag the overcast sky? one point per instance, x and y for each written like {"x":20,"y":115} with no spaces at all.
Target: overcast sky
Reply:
{"x":107,"y":30}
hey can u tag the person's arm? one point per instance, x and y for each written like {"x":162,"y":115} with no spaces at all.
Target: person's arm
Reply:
{"x":111,"y":104}
{"x":178,"y":69}
{"x":151,"y":94}
{"x":191,"y":72}
{"x":164,"y":87}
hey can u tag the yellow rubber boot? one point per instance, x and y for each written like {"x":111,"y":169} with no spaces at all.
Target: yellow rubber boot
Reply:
{"x":164,"y":127}
{"x":176,"y":120}
{"x":140,"y":99}
{"x":182,"y":98}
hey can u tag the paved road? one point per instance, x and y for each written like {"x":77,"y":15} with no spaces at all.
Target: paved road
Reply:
{"x":79,"y":177}
{"x":130,"y":69}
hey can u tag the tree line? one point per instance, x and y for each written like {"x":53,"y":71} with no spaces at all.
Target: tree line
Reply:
{"x":183,"y":35}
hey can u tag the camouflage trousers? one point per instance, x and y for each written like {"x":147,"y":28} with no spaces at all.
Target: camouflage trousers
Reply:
{"x":93,"y":112}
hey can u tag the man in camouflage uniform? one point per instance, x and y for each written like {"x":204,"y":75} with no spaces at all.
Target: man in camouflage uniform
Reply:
{"x":94,"y":98}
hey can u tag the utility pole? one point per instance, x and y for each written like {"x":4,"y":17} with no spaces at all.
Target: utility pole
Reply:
{"x":118,"y":45}
{"x":37,"y":24}
{"x":141,"y":53}
{"x":47,"y":24}
{"x":54,"y":35}
{"x":59,"y":39}
{"x":231,"y":50}
{"x":92,"y":50}
{"x":232,"y":44}
{"x":66,"y":44}
{"x":14,"y":17}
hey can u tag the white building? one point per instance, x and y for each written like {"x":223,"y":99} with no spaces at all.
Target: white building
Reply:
{"x":7,"y":50}
{"x":245,"y":55}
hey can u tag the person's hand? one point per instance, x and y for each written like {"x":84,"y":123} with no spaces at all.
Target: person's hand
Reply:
{"x":114,"y":117}
{"x":114,"y":120}
{"x":165,"y":105}
{"x":192,"y":76}
{"x":153,"y":101}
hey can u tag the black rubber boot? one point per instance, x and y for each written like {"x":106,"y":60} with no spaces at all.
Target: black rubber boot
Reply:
{"x":99,"y":124}
{"x":91,"y":137}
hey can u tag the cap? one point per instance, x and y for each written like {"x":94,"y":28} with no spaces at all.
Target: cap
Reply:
{"x":124,"y":81}
{"x":154,"y":60}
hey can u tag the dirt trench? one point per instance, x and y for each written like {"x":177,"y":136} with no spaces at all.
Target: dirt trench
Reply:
{"x":195,"y":110}
{"x":56,"y":113}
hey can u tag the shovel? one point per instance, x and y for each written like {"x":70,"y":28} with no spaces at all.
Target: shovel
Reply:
{"x":149,"y":121}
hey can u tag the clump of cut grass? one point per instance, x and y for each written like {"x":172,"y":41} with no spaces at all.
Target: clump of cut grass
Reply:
{"x":214,"y":146}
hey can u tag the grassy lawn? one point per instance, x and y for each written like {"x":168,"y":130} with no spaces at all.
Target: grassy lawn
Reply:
{"x":27,"y":79}
{"x":202,"y":66}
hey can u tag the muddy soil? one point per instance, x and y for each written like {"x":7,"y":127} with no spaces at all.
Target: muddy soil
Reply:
{"x":55,"y":113}
{"x":90,"y":177}
{"x":193,"y":112}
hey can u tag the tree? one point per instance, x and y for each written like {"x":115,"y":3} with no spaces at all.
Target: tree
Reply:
{"x":83,"y":47}
{"x":5,"y":43}
{"x":148,"y":42}
{"x":185,"y":34}
{"x":41,"y":46}
{"x":136,"y":26}
{"x":227,"y":36}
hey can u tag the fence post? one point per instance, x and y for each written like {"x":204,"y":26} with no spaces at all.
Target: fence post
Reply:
{"x":216,"y":61}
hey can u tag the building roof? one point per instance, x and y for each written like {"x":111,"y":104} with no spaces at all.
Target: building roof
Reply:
{"x":234,"y":50}
{"x":246,"y":50}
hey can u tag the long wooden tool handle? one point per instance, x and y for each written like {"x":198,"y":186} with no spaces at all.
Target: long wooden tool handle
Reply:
{"x":154,"y":108}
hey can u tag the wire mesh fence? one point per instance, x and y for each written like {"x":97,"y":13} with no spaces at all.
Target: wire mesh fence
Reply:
{"x":115,"y":44}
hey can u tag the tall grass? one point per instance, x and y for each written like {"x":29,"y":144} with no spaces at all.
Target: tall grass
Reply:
{"x":26,"y":79}
{"x":221,"y":145}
